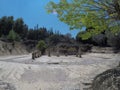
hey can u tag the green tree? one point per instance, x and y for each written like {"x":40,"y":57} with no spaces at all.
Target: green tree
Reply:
{"x":38,"y":34}
{"x":54,"y":39}
{"x":20,"y":28}
{"x":100,"y":14}
{"x":6,"y":24}
{"x":41,"y":46}
{"x":13,"y":36}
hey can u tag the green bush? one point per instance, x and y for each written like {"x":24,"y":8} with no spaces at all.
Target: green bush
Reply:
{"x":41,"y":46}
{"x":113,"y":40}
{"x":13,"y":36}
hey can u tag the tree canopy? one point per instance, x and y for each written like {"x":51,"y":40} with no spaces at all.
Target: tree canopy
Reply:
{"x":16,"y":30}
{"x":101,"y":15}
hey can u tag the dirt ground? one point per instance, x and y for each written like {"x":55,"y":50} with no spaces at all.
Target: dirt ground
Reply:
{"x":53,"y":73}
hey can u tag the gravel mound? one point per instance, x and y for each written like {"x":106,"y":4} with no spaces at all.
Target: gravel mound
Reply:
{"x":6,"y":86}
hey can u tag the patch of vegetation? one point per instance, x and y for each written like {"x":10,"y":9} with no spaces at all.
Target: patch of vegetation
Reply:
{"x":41,"y":46}
{"x":13,"y":36}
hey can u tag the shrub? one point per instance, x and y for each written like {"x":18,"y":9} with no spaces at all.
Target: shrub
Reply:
{"x":100,"y":40}
{"x":13,"y":36}
{"x":114,"y":40}
{"x":41,"y":46}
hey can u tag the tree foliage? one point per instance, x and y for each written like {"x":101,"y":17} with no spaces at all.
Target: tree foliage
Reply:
{"x":6,"y":24}
{"x":20,"y":27}
{"x":14,"y":30}
{"x":99,"y":14}
{"x":103,"y":39}
{"x":13,"y":36}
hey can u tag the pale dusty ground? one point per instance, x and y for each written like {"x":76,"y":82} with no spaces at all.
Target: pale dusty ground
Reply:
{"x":54,"y":73}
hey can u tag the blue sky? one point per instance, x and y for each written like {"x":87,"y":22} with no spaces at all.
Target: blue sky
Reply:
{"x":33,"y":12}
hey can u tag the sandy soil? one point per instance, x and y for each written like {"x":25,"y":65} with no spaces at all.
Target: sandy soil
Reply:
{"x":53,"y":73}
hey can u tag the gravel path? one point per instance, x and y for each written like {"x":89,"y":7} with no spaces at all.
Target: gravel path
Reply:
{"x":53,"y":73}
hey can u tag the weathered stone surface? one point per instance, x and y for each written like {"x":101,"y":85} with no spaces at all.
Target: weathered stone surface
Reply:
{"x":108,"y":80}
